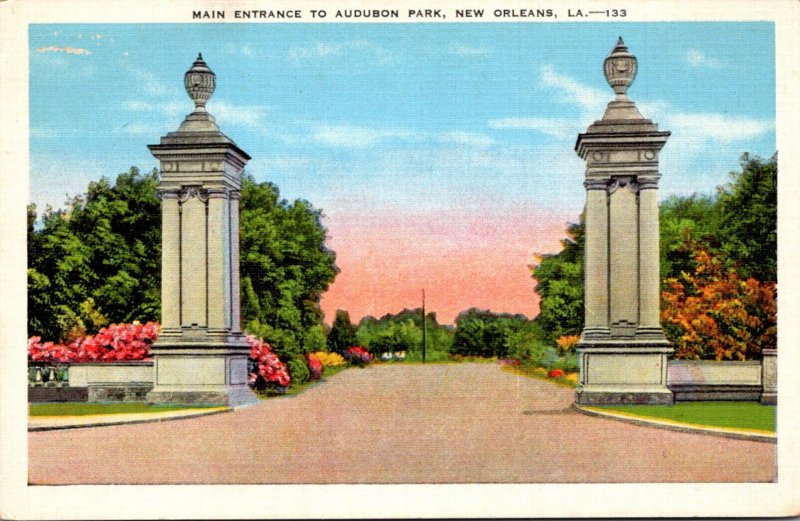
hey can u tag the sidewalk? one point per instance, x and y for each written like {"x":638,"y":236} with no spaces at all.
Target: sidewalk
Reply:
{"x":49,"y":423}
{"x":740,"y":434}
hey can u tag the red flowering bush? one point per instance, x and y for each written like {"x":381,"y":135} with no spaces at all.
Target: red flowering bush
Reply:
{"x":555,"y":373}
{"x":357,"y":355}
{"x":315,"y":367}
{"x":266,"y":369}
{"x":117,"y":342}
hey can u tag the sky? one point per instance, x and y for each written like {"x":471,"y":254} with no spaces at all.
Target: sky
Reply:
{"x":441,"y":155}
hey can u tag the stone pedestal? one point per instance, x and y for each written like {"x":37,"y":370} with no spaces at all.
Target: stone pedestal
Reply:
{"x":201,"y":353}
{"x":622,"y":352}
{"x":769,"y":377}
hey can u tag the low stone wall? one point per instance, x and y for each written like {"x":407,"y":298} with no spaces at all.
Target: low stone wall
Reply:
{"x":58,"y":394}
{"x":693,"y":380}
{"x":113,"y":381}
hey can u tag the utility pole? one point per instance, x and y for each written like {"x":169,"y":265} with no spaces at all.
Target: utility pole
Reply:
{"x":424,"y":328}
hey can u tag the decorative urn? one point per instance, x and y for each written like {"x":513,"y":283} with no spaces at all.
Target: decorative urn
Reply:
{"x":199,"y":81}
{"x":620,"y":69}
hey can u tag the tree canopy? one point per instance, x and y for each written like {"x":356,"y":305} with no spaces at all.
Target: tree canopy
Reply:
{"x":97,"y":261}
{"x":736,"y":228}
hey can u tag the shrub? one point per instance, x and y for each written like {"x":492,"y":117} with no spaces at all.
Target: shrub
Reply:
{"x":567,"y":342}
{"x":329,"y":359}
{"x":555,"y":373}
{"x":568,"y":363}
{"x":266,"y":369}
{"x":357,"y":355}
{"x":298,"y":368}
{"x":315,"y":367}
{"x":509,"y":361}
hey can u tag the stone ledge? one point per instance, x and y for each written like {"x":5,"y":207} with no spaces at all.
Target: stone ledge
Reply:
{"x":620,"y":398}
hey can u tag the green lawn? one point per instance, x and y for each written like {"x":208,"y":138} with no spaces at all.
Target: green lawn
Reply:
{"x":737,"y":415}
{"x":85,"y":409}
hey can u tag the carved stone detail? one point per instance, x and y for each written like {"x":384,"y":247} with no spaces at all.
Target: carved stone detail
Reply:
{"x":623,"y":182}
{"x":596,"y":184}
{"x":200,"y":82}
{"x":620,"y":69}
{"x":194,"y":191}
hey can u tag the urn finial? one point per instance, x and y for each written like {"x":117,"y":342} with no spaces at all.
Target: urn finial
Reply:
{"x":620,"y":69}
{"x":199,"y":81}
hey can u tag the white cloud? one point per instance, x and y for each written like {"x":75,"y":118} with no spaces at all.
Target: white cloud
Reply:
{"x":464,"y":50}
{"x":68,"y":50}
{"x":245,"y":115}
{"x":556,"y":127}
{"x":696,"y":58}
{"x":718,"y":127}
{"x":592,"y":100}
{"x":357,"y":137}
{"x":460,"y":137}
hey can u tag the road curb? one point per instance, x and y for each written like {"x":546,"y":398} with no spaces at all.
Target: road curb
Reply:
{"x":683,"y":427}
{"x":126,"y":422}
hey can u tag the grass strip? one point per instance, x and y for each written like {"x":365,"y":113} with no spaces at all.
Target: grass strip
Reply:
{"x":89,"y":409}
{"x":732,"y":415}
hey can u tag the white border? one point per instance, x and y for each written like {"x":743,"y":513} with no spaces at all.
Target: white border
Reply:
{"x":17,"y":500}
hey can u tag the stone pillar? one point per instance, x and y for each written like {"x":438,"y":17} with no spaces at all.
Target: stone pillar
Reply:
{"x":622,"y":352}
{"x":596,"y":260}
{"x":769,"y":376}
{"x":201,"y":353}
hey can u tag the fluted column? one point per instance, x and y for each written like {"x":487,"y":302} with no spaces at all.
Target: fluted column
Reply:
{"x":236,"y":319}
{"x":596,"y":259}
{"x":649,"y":258}
{"x":623,"y":261}
{"x":219,"y":261}
{"x":194,"y":259}
{"x":170,"y":261}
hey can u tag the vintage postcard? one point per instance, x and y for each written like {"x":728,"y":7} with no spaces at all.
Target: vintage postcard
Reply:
{"x":362,"y":260}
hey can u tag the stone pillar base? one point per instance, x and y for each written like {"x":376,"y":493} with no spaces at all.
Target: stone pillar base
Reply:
{"x":618,"y":398}
{"x":623,"y":372}
{"x":207,"y":373}
{"x":229,"y":397}
{"x":769,"y":398}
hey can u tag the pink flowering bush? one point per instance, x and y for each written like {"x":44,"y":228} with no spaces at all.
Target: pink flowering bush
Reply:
{"x":266,"y":369}
{"x":126,"y":342}
{"x":315,"y":367}
{"x":509,"y":361}
{"x":117,"y":342}
{"x":357,"y":355}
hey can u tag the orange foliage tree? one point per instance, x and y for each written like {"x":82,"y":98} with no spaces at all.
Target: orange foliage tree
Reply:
{"x":713,"y":313}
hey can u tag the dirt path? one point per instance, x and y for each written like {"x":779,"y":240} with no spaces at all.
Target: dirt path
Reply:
{"x":452,"y":423}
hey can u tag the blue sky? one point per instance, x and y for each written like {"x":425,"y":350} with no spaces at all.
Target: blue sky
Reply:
{"x":414,"y":115}
{"x":443,"y":151}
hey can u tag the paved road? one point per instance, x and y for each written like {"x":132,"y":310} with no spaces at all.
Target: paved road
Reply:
{"x":465,"y":423}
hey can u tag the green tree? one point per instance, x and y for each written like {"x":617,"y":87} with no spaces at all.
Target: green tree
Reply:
{"x":559,"y":285}
{"x":748,"y":217}
{"x":285,"y":267}
{"x":692,"y":218}
{"x":483,"y":333}
{"x":96,"y":260}
{"x":343,"y":333}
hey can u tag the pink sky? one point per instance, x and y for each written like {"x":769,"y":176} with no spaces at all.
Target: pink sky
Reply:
{"x":462,"y":260}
